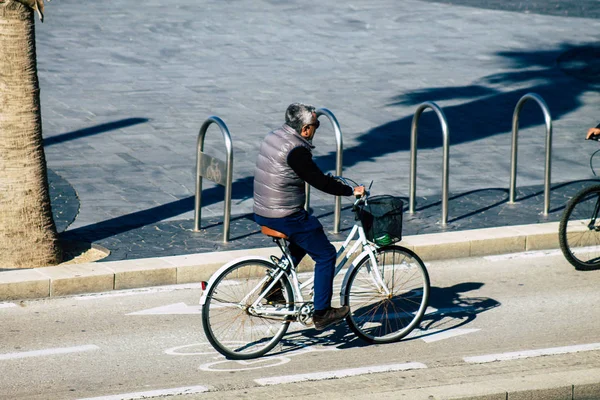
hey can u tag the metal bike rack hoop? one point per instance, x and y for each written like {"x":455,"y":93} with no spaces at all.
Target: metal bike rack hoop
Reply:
{"x":338,"y":167}
{"x":513,"y":158}
{"x":214,"y":170}
{"x":413,"y":157}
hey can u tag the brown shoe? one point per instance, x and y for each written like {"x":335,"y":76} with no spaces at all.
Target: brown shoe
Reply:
{"x":332,"y":316}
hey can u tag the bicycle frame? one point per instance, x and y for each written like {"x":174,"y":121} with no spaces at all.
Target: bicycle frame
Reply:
{"x":287,"y":267}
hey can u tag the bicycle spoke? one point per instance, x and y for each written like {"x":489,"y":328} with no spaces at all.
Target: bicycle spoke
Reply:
{"x":378,"y":317}
{"x":229,"y":321}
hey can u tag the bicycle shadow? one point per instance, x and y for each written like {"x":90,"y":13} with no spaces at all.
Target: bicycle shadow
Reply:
{"x":449,"y":308}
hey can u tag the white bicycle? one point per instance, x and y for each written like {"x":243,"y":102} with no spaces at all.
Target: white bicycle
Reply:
{"x":249,"y":303}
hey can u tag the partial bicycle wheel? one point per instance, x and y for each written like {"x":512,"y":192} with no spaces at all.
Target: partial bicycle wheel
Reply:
{"x":579,"y":229}
{"x":378,"y":316}
{"x":229,"y":323}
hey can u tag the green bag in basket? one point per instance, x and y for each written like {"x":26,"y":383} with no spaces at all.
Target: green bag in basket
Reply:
{"x":381,"y":219}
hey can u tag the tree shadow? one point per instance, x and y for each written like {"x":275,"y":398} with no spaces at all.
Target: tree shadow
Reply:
{"x":125,"y":223}
{"x":563,"y":8}
{"x":94,"y":130}
{"x":486,"y":111}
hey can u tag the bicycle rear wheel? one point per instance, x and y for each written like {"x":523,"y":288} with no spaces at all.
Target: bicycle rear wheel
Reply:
{"x":380,"y":317}
{"x":579,"y":229}
{"x":229,"y":324}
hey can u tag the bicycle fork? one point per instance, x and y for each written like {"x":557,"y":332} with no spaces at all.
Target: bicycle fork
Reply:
{"x":376,"y":274}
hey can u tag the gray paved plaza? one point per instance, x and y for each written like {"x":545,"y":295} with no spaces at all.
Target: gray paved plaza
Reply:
{"x":125,"y":87}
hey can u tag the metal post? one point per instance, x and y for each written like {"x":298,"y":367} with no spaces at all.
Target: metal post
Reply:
{"x":214,"y":170}
{"x":338,"y":166}
{"x":513,"y":158}
{"x":413,"y":158}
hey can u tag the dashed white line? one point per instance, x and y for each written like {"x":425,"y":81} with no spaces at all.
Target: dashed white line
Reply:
{"x":153,"y":393}
{"x":532,"y":353}
{"x":342,"y":373}
{"x":7,"y":305}
{"x":434,"y":335}
{"x":48,"y":352}
{"x":134,"y":292}
{"x":172,"y":309}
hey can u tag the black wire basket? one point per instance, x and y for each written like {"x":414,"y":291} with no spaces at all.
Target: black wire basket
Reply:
{"x":381,"y":219}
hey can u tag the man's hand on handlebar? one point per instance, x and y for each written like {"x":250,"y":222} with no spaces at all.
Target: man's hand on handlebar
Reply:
{"x":359,"y":191}
{"x":593,"y":134}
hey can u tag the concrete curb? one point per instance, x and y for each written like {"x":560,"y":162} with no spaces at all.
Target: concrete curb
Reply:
{"x":127,"y":274}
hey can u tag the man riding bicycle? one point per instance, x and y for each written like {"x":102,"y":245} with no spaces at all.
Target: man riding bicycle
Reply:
{"x":284,"y":164}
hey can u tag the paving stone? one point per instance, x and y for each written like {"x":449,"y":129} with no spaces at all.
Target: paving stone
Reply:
{"x":122,"y":106}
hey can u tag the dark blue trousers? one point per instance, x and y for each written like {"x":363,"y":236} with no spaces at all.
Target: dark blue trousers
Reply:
{"x":306,"y":236}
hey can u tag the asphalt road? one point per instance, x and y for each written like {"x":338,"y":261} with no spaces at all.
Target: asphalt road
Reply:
{"x":150,"y":340}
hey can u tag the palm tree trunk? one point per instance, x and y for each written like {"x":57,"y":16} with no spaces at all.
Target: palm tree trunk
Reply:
{"x":28,"y":236}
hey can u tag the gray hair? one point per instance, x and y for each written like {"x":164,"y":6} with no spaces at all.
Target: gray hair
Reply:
{"x":297,"y":115}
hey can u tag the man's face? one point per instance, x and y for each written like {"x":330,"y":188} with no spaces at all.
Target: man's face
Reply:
{"x":308,"y":131}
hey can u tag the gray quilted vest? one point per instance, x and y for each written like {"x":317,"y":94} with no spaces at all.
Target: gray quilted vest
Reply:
{"x":278,"y":191}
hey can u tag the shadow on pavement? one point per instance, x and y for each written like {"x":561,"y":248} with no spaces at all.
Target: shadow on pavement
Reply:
{"x":125,"y":223}
{"x":453,"y":309}
{"x":563,"y":8}
{"x":449,"y":308}
{"x":94,"y":130}
{"x":560,"y":75}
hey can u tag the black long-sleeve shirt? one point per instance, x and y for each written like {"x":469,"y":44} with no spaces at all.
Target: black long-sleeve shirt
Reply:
{"x":300,"y":160}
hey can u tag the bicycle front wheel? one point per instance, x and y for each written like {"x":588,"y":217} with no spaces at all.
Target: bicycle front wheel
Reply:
{"x":229,"y":322}
{"x":579,"y":230}
{"x":387,"y":309}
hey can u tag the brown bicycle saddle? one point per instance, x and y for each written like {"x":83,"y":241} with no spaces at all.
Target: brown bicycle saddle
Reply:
{"x":273,"y":233}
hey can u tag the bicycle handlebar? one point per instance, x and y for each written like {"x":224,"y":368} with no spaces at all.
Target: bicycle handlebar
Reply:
{"x":351,"y":183}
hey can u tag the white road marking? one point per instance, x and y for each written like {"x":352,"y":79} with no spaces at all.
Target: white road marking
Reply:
{"x":204,"y":349}
{"x":317,"y":376}
{"x":153,"y":393}
{"x":133,"y":292}
{"x":532,"y":353}
{"x":445,"y":334}
{"x":7,"y":305}
{"x":48,"y":352}
{"x":171,"y":309}
{"x":244,"y":365}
